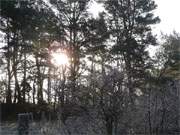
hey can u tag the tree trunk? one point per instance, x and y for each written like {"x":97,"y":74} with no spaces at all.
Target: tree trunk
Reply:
{"x":17,"y":88}
{"x":109,"y":125}
{"x":33,"y":93}
{"x":39,"y":83}
{"x":178,"y":89}
{"x":149,"y":112}
{"x":49,"y":86}
{"x":115,"y":126}
{"x":8,"y":93}
{"x":24,"y":78}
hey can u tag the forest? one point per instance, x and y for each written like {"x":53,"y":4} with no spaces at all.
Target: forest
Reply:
{"x":92,"y":75}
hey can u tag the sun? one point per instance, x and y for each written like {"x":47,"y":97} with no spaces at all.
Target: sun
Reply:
{"x":59,"y":58}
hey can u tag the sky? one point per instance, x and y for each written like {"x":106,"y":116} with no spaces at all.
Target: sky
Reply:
{"x":169,"y":13}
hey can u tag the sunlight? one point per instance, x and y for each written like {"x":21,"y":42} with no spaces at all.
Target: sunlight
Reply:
{"x":59,"y":58}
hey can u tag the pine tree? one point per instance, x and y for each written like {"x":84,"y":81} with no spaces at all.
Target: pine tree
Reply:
{"x":130,"y":22}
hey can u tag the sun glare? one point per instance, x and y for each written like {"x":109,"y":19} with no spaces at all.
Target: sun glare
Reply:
{"x":59,"y":59}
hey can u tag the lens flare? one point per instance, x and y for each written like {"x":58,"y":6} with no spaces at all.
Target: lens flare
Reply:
{"x":59,"y":58}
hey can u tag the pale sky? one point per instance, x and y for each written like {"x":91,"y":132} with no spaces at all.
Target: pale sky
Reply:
{"x":169,"y":13}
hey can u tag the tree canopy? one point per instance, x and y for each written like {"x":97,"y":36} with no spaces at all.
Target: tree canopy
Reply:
{"x":109,"y":73}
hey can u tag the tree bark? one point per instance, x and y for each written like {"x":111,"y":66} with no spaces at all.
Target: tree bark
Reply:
{"x":39,"y":83}
{"x":8,"y":93}
{"x":109,"y":125}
